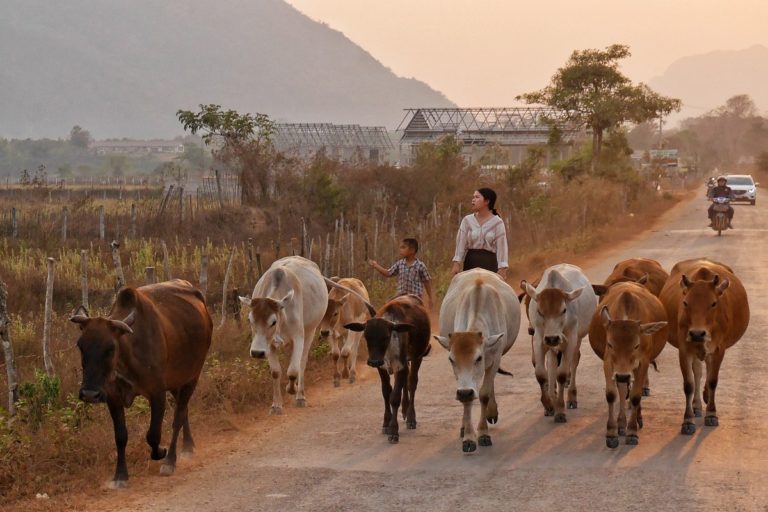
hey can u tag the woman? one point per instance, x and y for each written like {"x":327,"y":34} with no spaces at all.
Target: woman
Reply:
{"x":482,"y":238}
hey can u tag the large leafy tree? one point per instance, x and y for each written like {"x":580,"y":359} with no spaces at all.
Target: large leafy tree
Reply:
{"x":594,"y":93}
{"x":242,"y":141}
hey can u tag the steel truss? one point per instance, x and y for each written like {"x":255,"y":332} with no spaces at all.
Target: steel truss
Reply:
{"x":314,"y":136}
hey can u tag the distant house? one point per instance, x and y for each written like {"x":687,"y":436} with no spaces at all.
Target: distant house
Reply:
{"x":137,"y":147}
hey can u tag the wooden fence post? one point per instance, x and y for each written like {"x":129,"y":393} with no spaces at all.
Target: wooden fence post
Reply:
{"x":166,"y":261}
{"x":84,"y":277}
{"x":102,"y":234}
{"x":10,"y":362}
{"x":150,"y":275}
{"x":118,"y":265}
{"x":251,"y":277}
{"x":258,"y":264}
{"x":182,"y":216}
{"x":64,"y":219}
{"x":304,"y":249}
{"x":14,"y":223}
{"x":226,"y":284}
{"x":133,"y":220}
{"x":327,"y":258}
{"x":218,"y":189}
{"x":204,"y":272}
{"x":47,"y":320}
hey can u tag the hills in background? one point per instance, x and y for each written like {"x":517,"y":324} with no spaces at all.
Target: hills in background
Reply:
{"x":123,"y":69}
{"x":706,"y":81}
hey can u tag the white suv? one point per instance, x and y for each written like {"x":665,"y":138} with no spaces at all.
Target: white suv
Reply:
{"x":743,"y":186}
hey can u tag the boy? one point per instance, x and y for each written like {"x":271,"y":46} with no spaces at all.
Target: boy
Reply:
{"x":413,"y":277}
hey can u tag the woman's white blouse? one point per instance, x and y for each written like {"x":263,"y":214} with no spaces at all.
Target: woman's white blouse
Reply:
{"x":491,"y":236}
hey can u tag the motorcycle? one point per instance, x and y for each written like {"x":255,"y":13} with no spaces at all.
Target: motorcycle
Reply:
{"x":720,"y":214}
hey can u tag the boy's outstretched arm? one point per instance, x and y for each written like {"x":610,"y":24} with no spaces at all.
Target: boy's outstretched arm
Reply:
{"x":378,"y":268}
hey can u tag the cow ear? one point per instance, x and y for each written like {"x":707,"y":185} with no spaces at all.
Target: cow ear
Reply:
{"x":643,"y":279}
{"x":245,"y":301}
{"x":120,"y":327}
{"x":652,"y":327}
{"x":403,"y":327}
{"x":605,"y":316}
{"x":81,"y":311}
{"x":444,"y":341}
{"x":493,"y":339}
{"x":599,"y":289}
{"x":724,"y":284}
{"x":285,"y":300}
{"x":575,"y":294}
{"x":685,"y":283}
{"x":528,"y":289}
{"x":355,"y":326}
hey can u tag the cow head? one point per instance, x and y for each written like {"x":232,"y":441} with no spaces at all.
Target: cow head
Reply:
{"x":382,"y":337}
{"x":332,"y":313}
{"x":622,"y":344}
{"x":550,"y":317}
{"x":99,"y":349}
{"x":467,"y":354}
{"x":698,"y":314}
{"x":266,"y":316}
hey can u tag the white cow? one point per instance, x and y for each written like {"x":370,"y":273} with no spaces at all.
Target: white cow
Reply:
{"x":479,"y":320}
{"x":287,"y":305}
{"x":560,"y":312}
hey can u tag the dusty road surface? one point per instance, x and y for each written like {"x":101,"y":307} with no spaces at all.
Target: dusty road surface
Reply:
{"x":332,"y":456}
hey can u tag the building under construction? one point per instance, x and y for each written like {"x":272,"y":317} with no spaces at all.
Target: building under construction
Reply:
{"x":493,"y":137}
{"x":344,"y":142}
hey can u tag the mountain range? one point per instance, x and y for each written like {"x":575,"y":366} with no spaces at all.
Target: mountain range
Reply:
{"x":123,"y":69}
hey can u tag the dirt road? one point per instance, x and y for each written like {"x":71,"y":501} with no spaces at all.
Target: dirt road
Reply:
{"x":332,"y":456}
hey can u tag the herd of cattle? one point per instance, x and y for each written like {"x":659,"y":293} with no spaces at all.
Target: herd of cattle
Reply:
{"x":156,"y":339}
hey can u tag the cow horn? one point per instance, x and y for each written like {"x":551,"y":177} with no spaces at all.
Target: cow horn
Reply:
{"x":121,"y":326}
{"x":130,"y":318}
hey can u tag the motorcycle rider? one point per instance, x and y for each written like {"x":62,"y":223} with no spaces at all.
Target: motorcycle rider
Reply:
{"x":721,"y":190}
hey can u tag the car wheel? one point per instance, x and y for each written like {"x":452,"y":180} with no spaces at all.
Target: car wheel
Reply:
{"x":752,"y":202}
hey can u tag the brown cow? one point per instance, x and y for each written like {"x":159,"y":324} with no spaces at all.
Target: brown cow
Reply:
{"x":628,"y":332}
{"x":397,"y":335}
{"x":154,"y":340}
{"x":708,"y":312}
{"x":643,"y":271}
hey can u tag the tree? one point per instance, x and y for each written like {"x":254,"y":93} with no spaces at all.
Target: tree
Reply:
{"x":594,"y":93}
{"x":79,"y":137}
{"x":242,"y":141}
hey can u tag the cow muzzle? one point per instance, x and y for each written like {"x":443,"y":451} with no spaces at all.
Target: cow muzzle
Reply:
{"x":552,"y":341}
{"x":375,"y":363}
{"x":258,"y":354}
{"x":91,"y":396}
{"x":465,"y":395}
{"x":623,"y":378}
{"x":697,"y":336}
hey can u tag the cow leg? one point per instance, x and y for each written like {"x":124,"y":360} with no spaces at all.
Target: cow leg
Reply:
{"x":622,"y":409}
{"x":335,"y":353}
{"x":611,"y":395}
{"x":572,"y":399}
{"x":413,"y":382}
{"x":541,"y":371}
{"x":697,"y":372}
{"x":394,"y":402}
{"x":301,"y":400}
{"x":686,"y":368}
{"x":353,"y":341}
{"x":468,"y":434}
{"x":154,"y":433}
{"x":294,"y":365}
{"x":562,"y":376}
{"x":486,"y":393}
{"x":276,"y":371}
{"x":386,"y":392}
{"x":180,"y":414}
{"x":713,"y":371}
{"x":635,"y":395}
{"x":492,"y":413}
{"x":121,"y":439}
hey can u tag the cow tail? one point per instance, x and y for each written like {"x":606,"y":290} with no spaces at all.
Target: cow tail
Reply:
{"x":428,"y":350}
{"x":655,"y":366}
{"x":504,"y":372}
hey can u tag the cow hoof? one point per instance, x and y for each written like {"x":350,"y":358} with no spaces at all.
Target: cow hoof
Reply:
{"x":468,"y":446}
{"x":158,"y":454}
{"x":117,"y":484}
{"x":493,"y":419}
{"x":411,"y":425}
{"x":612,"y":442}
{"x":484,"y":441}
{"x":167,"y":469}
{"x":560,"y":418}
{"x":646,"y":391}
{"x":301,"y":402}
{"x":632,"y":440}
{"x":688,"y":429}
{"x":549,"y":412}
{"x":622,"y":431}
{"x":394,"y":438}
{"x":697,"y":413}
{"x":276,"y":411}
{"x":187,"y":453}
{"x":573,"y":404}
{"x":711,"y":421}
{"x":336,"y":382}
{"x":351,"y":379}
{"x":461,"y":433}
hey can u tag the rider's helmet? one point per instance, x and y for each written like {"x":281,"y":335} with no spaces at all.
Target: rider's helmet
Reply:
{"x":722,"y":178}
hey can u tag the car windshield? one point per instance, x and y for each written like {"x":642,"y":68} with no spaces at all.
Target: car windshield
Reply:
{"x":740,"y":180}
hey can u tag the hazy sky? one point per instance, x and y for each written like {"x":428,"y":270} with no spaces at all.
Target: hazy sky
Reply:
{"x":485,"y":52}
